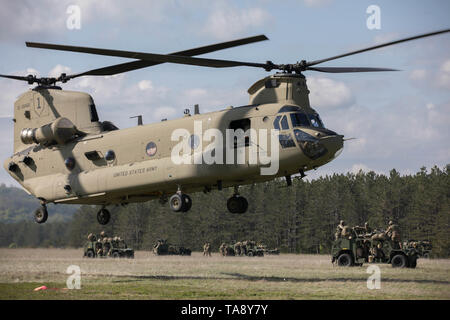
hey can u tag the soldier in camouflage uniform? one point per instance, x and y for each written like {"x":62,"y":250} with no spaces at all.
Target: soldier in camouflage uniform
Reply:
{"x":339,"y":229}
{"x":238,"y":248}
{"x":393,"y":232}
{"x":222,"y":248}
{"x":207,"y":249}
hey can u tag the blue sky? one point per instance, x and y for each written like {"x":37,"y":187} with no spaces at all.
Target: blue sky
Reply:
{"x":401,"y":119}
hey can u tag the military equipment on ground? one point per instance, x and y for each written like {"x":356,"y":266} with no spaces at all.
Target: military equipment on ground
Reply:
{"x":423,"y":247}
{"x":268,"y":251}
{"x":115,"y":248}
{"x":63,"y":153}
{"x":354,"y":251}
{"x":162,"y":247}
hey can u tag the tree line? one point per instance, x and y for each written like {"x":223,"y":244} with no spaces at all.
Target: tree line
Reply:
{"x":301,"y":218}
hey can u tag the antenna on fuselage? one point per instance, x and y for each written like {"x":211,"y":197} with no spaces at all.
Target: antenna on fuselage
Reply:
{"x":140,"y":123}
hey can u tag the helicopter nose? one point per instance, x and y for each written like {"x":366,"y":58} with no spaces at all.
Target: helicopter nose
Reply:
{"x":334,"y":144}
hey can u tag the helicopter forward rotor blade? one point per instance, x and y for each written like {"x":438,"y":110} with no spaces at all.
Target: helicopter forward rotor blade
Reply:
{"x":153,"y":57}
{"x":134,"y":65}
{"x":348,"y":69}
{"x":146,"y":58}
{"x":311,"y":63}
{"x":26,"y":78}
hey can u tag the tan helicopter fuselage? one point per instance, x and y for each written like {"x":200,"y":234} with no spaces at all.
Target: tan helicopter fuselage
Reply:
{"x":55,"y":127}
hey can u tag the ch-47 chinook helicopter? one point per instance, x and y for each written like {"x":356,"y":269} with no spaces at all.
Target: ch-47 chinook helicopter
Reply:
{"x":63,"y":153}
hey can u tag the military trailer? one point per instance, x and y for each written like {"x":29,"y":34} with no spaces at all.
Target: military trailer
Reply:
{"x":110,"y":248}
{"x":162,"y":247}
{"x":355,"y":251}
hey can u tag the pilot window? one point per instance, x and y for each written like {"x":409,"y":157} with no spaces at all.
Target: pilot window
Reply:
{"x":276,"y":123}
{"x":315,"y":120}
{"x":299,"y":120}
{"x":284,"y":123}
{"x":243,"y":124}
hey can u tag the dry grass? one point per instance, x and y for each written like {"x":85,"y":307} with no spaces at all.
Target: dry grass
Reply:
{"x":148,"y":276}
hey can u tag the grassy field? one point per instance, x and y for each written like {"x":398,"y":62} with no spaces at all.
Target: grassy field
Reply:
{"x":286,"y":276}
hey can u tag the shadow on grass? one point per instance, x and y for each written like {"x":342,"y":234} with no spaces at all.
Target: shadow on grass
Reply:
{"x":239,"y":276}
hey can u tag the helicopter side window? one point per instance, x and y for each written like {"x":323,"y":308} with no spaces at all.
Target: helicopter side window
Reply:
{"x":284,"y":123}
{"x":276,"y":123}
{"x":315,"y":120}
{"x":108,"y":126}
{"x":299,"y":120}
{"x":244,"y":125}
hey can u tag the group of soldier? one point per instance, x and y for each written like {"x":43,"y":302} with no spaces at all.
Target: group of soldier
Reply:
{"x":105,"y":244}
{"x":392,"y":232}
{"x":207,"y":249}
{"x":240,"y":248}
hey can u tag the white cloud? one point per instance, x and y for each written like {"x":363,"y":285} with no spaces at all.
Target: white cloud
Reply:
{"x":145,"y":85}
{"x":328,"y":93}
{"x":317,"y":3}
{"x":418,"y":74}
{"x":58,"y":70}
{"x":443,"y":76}
{"x":225,"y":21}
{"x":356,"y":168}
{"x":386,"y":37}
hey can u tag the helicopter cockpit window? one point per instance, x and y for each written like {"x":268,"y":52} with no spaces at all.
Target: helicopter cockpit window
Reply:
{"x":299,"y":119}
{"x":315,"y":120}
{"x":93,"y":111}
{"x":284,"y":123}
{"x":108,"y":126}
{"x":276,"y":123}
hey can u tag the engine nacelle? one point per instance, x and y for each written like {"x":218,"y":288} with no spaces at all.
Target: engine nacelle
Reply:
{"x":59,"y":131}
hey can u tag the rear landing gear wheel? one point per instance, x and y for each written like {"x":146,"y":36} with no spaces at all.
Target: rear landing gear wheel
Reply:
{"x":180,"y":202}
{"x":103,"y":216}
{"x":237,"y":204}
{"x":41,"y":214}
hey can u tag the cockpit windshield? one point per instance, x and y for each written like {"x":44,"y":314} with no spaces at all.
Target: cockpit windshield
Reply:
{"x":300,"y":119}
{"x":315,"y":120}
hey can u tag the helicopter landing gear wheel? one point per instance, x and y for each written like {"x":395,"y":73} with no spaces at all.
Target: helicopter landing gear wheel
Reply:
{"x":180,"y":202}
{"x":103,"y":216}
{"x":41,"y":214}
{"x":237,"y":204}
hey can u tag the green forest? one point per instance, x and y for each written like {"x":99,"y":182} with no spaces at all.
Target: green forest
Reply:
{"x":301,"y":218}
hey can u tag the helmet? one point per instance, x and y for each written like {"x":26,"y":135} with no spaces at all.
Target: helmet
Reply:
{"x":342,"y":222}
{"x":103,"y":234}
{"x":391,"y":222}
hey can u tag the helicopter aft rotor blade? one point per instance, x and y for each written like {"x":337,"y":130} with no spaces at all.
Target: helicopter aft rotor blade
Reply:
{"x":348,"y":69}
{"x":217,"y":63}
{"x":311,"y":63}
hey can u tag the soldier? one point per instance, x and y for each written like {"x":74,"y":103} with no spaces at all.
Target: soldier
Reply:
{"x":222,"y":248}
{"x":99,"y":248}
{"x":393,"y":232}
{"x":207,"y":249}
{"x":238,"y":248}
{"x":367,"y":229}
{"x":339,"y":229}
